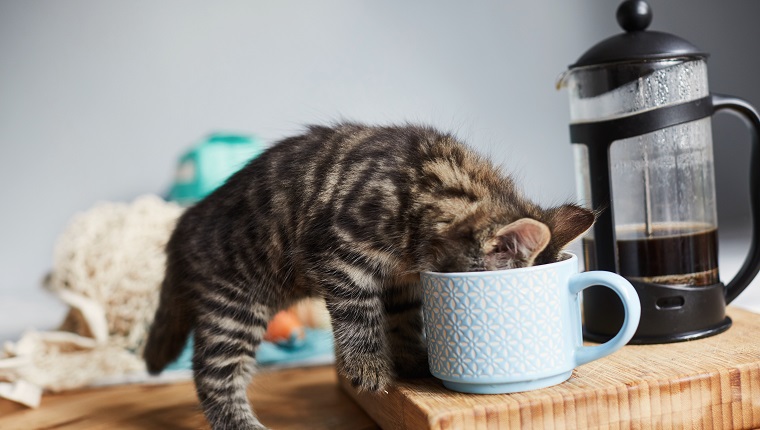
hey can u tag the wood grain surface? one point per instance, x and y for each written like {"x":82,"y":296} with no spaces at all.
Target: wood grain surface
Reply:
{"x":307,"y":398}
{"x":711,"y":383}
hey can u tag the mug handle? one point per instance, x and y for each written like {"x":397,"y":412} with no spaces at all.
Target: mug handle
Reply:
{"x":752,"y":263}
{"x":631,"y":305}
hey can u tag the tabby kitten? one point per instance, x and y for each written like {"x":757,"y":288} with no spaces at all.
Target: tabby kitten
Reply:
{"x":350,"y":213}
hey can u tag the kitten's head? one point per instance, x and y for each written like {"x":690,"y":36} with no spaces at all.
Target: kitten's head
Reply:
{"x":487,"y":243}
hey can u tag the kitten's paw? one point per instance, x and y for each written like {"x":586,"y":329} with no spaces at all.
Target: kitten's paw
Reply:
{"x":237,"y":423}
{"x":371,"y":375}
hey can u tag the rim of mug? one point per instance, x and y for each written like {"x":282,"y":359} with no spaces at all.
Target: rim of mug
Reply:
{"x":571,"y":257}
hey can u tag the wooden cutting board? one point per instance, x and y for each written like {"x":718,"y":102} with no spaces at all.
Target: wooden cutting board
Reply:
{"x":711,"y":383}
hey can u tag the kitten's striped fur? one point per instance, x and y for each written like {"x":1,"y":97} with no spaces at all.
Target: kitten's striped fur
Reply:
{"x":351,"y":213}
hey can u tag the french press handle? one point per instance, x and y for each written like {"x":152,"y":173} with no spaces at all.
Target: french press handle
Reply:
{"x":752,"y":263}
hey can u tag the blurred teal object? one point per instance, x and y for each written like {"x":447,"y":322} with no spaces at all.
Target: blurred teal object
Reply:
{"x":209,"y":163}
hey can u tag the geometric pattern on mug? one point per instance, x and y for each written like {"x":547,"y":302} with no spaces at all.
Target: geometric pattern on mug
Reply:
{"x":475,"y":329}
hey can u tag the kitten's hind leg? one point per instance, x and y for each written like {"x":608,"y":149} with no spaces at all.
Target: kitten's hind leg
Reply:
{"x":228,"y":330}
{"x":402,"y":300}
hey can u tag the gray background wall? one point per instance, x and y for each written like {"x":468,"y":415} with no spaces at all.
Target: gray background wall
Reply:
{"x":98,"y":99}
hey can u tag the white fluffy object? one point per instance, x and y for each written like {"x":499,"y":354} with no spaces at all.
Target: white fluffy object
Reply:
{"x":108,"y":266}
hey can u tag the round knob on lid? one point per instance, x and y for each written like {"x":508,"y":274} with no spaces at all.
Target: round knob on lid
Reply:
{"x":634,"y":15}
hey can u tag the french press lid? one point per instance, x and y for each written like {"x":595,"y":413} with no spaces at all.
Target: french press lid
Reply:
{"x":637,"y":44}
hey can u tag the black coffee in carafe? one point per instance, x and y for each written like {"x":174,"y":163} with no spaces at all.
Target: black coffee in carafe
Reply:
{"x":670,"y":255}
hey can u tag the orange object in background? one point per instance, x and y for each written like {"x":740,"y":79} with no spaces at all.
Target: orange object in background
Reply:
{"x":285,"y":327}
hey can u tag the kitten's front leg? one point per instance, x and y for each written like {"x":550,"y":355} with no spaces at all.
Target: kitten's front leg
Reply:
{"x":358,"y":321}
{"x":402,"y":301}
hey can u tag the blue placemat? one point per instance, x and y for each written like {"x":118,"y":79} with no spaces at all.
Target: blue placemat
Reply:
{"x":316,"y":348}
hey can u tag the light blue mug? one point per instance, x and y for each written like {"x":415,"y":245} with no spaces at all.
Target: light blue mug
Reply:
{"x":515,"y":330}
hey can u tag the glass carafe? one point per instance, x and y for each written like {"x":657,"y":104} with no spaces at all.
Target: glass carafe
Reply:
{"x":640,"y":110}
{"x":662,"y":182}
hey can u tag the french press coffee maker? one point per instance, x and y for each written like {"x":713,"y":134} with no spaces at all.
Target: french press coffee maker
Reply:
{"x":640,"y":114}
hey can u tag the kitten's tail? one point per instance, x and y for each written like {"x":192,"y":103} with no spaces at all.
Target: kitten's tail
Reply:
{"x":170,"y":328}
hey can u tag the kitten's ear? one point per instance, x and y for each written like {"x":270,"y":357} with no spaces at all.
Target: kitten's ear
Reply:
{"x":517,"y":244}
{"x":568,"y":222}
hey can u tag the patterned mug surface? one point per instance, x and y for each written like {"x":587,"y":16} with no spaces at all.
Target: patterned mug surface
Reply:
{"x":515,"y":330}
